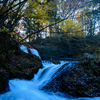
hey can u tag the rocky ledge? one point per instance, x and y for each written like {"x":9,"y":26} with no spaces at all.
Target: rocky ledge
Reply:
{"x":82,"y":80}
{"x":22,"y":66}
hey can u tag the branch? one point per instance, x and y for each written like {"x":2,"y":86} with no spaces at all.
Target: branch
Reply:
{"x":12,"y":7}
{"x":49,"y":25}
{"x":4,"y":16}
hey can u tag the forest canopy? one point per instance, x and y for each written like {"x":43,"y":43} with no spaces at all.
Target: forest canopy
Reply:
{"x":37,"y":16}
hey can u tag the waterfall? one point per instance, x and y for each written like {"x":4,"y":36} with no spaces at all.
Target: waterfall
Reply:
{"x":33,"y":51}
{"x":45,"y":75}
{"x":21,"y":89}
{"x":24,"y":48}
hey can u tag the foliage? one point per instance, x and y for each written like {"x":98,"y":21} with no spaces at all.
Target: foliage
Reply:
{"x":9,"y":17}
{"x":37,"y":14}
{"x":9,"y":10}
{"x":88,"y":17}
{"x":71,"y":29}
{"x":4,"y":29}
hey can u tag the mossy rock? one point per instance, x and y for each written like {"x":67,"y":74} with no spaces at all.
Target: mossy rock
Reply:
{"x":81,"y":80}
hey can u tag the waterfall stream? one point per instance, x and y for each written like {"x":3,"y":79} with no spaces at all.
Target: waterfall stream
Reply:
{"x":31,"y":90}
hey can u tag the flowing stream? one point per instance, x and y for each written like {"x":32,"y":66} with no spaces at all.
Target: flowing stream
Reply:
{"x":31,"y":90}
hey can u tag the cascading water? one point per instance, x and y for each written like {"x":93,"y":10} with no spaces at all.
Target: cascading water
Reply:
{"x":30,"y":90}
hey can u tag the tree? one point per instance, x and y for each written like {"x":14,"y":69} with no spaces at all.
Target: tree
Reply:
{"x":89,"y":16}
{"x":37,"y":15}
{"x":69,"y":29}
{"x":9,"y":12}
{"x":9,"y":16}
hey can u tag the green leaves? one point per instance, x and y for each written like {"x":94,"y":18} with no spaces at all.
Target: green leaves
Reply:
{"x":71,"y":29}
{"x":39,"y":12}
{"x":4,"y":29}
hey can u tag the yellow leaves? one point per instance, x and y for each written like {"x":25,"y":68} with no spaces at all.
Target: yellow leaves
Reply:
{"x":44,"y":1}
{"x":71,"y":29}
{"x":39,"y":11}
{"x":4,"y":29}
{"x":3,"y":9}
{"x":34,"y":9}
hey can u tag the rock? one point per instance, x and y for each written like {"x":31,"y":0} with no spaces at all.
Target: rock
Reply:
{"x":79,"y":80}
{"x":24,"y":66}
{"x":88,"y":56}
{"x":3,"y":81}
{"x":14,"y":63}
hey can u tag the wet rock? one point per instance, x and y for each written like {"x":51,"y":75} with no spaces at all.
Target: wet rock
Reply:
{"x":88,"y":56}
{"x":79,"y":80}
{"x":22,"y":66}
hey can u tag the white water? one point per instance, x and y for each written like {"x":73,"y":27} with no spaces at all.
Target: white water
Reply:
{"x":33,"y":51}
{"x":30,"y":90}
{"x":24,"y":48}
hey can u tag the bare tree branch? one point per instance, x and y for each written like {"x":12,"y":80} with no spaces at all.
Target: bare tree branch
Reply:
{"x":50,"y":24}
{"x":11,"y":8}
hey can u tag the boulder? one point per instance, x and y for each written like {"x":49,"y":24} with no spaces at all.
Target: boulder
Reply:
{"x":82,"y":80}
{"x":14,"y":63}
{"x":4,"y":79}
{"x":24,"y":66}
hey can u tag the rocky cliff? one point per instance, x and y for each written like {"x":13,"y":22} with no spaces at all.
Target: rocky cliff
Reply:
{"x":20,"y":65}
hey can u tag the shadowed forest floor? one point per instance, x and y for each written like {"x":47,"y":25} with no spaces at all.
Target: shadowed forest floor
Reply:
{"x":55,"y":48}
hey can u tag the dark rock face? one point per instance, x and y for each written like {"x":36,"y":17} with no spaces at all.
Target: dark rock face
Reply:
{"x":24,"y":66}
{"x":83,"y":79}
{"x":14,"y":63}
{"x":3,"y":80}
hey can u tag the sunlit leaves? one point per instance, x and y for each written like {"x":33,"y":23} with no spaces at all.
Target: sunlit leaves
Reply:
{"x":71,"y":29}
{"x":37,"y":11}
{"x":4,"y":29}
